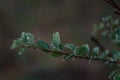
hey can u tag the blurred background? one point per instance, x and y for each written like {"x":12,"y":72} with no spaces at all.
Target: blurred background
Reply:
{"x":74,"y":20}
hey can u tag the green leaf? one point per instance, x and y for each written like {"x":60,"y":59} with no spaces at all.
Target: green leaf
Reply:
{"x":56,"y":39}
{"x":82,"y":50}
{"x":115,"y":35}
{"x":112,"y":73}
{"x":27,"y":39}
{"x":104,"y":54}
{"x":16,"y":43}
{"x":42,"y":45}
{"x":104,"y":33}
{"x":115,"y":74}
{"x":56,"y":43}
{"x":95,"y":52}
{"x":21,"y":50}
{"x":68,"y":57}
{"x":117,"y":77}
{"x":56,"y":54}
{"x":70,"y":46}
{"x":97,"y":27}
{"x":115,"y":55}
{"x":107,"y":19}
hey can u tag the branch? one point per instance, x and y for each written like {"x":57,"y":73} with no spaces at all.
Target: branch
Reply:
{"x":96,"y":41}
{"x":80,"y":57}
{"x":114,"y":4}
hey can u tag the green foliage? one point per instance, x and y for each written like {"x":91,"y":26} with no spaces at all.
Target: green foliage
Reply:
{"x":104,"y":54}
{"x":26,"y":40}
{"x":56,"y":43}
{"x":116,"y":55}
{"x":43,"y":46}
{"x":95,"y":51}
{"x":21,"y":50}
{"x":107,"y":28}
{"x":115,"y":74}
{"x":70,"y":46}
{"x":82,"y":50}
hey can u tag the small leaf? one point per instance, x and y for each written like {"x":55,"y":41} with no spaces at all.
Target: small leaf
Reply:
{"x":27,"y":39}
{"x":68,"y":57}
{"x":97,"y":28}
{"x":117,"y":77}
{"x":115,"y":74}
{"x":70,"y":46}
{"x":43,"y":46}
{"x":104,"y":33}
{"x":21,"y":50}
{"x":115,"y":54}
{"x":16,"y":43}
{"x":56,"y":43}
{"x":56,"y":39}
{"x":56,"y":54}
{"x":86,"y":46}
{"x":104,"y":54}
{"x":112,"y":73}
{"x":82,"y":50}
{"x":95,"y":52}
{"x":107,"y":19}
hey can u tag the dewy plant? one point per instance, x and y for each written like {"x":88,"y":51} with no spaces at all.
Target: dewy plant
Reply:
{"x":108,"y":27}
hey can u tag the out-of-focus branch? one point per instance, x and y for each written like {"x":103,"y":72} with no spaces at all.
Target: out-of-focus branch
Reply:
{"x":115,"y":5}
{"x":96,"y":41}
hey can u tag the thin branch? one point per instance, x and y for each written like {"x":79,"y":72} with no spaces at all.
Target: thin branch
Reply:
{"x":80,"y":57}
{"x":114,"y":4}
{"x":85,"y":57}
{"x":96,"y":41}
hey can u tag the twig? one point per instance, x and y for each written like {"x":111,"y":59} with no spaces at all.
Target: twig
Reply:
{"x":96,"y":41}
{"x":114,"y":4}
{"x":80,"y":57}
{"x":85,"y":57}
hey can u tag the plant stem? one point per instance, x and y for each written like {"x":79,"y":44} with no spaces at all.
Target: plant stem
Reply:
{"x":114,"y":4}
{"x":96,"y":41}
{"x":80,"y":57}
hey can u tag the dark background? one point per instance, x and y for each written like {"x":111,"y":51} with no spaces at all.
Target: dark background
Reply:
{"x":74,"y":20}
